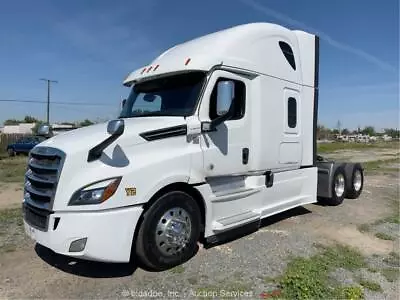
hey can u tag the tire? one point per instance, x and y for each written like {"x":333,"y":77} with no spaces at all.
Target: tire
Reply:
{"x":11,"y":152}
{"x":354,"y":189}
{"x":153,"y":248}
{"x":338,"y":180}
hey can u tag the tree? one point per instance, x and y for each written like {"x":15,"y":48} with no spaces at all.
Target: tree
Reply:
{"x":368,"y":130}
{"x":86,"y":122}
{"x":36,"y":127}
{"x":30,"y":119}
{"x":27,"y":119}
{"x":11,"y":122}
{"x":394,"y":133}
{"x":345,"y":131}
{"x":323,"y":132}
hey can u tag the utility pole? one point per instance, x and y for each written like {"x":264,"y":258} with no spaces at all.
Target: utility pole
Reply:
{"x":339,"y":127}
{"x":48,"y":98}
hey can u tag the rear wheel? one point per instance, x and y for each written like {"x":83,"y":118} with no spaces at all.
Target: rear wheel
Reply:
{"x":357,"y":182}
{"x":169,"y":232}
{"x":338,"y":187}
{"x":11,"y":152}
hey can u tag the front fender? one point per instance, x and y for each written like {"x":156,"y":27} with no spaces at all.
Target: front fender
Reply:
{"x":163,"y":183}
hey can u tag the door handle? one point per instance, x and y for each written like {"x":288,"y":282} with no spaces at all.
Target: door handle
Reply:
{"x":245,"y":156}
{"x":269,"y":179}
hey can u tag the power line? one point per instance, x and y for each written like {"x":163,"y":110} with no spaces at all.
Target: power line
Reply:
{"x":55,"y":102}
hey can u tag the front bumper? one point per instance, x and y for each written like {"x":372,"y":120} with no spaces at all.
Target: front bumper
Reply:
{"x":109,"y":233}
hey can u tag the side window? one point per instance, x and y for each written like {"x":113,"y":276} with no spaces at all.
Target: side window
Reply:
{"x":288,"y":53}
{"x":239,"y":100}
{"x":292,"y":112}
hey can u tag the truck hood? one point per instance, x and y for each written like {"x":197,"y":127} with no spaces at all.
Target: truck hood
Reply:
{"x":87,"y":137}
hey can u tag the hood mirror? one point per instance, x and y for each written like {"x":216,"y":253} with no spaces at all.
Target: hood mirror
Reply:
{"x":116,"y":127}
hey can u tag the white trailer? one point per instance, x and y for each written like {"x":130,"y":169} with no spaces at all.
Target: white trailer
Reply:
{"x":217,"y":134}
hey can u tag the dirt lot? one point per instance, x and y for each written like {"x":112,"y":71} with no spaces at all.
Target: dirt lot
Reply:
{"x":349,"y":251}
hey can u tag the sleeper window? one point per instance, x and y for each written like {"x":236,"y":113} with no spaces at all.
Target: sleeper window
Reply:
{"x":239,"y":100}
{"x":288,"y":53}
{"x":292,"y":112}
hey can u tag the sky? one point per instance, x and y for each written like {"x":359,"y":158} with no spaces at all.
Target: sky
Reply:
{"x":90,"y":46}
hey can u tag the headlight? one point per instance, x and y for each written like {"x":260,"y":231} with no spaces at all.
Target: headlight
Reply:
{"x":95,"y":193}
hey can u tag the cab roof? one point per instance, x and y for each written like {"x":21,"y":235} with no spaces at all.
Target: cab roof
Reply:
{"x":253,"y":47}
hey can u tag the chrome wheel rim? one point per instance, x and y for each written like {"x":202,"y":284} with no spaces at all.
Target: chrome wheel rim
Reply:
{"x":173,"y":231}
{"x":357,"y":180}
{"x":339,"y":185}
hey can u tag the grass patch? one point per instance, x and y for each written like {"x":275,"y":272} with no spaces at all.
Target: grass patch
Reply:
{"x":384,"y":236}
{"x":13,"y":169}
{"x":393,"y":219}
{"x":393,"y":259}
{"x":331,"y":147}
{"x":380,"y":165}
{"x":7,"y":248}
{"x":372,"y":270}
{"x":11,"y":215}
{"x":349,"y":292}
{"x":390,"y":274}
{"x":307,"y":278}
{"x":364,"y":228}
{"x":177,"y":270}
{"x":372,"y":286}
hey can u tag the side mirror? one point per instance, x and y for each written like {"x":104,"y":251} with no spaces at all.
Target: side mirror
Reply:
{"x":123,"y":103}
{"x":225,"y":94}
{"x":116,"y":127}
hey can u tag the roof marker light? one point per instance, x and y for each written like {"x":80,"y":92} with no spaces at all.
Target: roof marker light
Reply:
{"x":148,"y":70}
{"x":143,"y":71}
{"x":156,"y":68}
{"x":187,"y":62}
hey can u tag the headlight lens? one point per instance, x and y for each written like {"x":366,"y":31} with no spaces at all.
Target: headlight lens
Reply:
{"x":95,"y":193}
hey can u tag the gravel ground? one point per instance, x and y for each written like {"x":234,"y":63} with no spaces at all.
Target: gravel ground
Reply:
{"x":245,"y":265}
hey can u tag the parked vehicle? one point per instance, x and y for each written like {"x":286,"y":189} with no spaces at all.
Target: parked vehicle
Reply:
{"x":24,"y":145}
{"x":207,"y":144}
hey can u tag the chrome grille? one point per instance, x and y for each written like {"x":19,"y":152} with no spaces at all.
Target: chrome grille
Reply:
{"x":41,"y":177}
{"x":37,"y":218}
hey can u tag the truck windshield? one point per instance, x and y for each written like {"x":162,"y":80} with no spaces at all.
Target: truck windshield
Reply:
{"x":175,"y":95}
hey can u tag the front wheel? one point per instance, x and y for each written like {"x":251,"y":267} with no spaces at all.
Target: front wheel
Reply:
{"x":11,"y":152}
{"x":169,"y":232}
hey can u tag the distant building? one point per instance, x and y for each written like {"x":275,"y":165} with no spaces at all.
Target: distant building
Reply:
{"x":22,"y":128}
{"x":61,"y":128}
{"x":386,"y":138}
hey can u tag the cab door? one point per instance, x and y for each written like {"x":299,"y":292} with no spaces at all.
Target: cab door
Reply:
{"x":226,"y":149}
{"x":290,"y":151}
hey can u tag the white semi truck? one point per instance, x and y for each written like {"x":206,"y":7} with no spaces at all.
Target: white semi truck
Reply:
{"x":217,"y":134}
